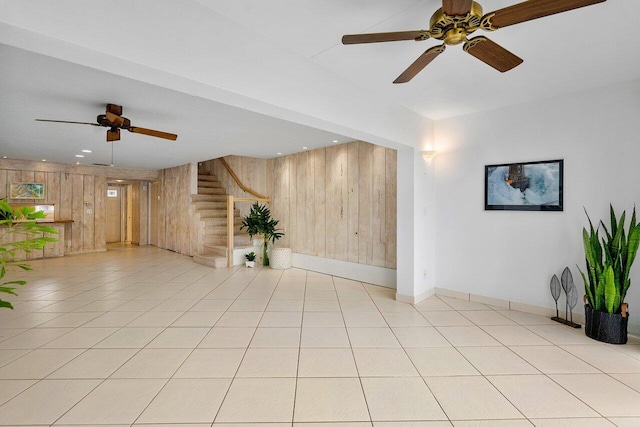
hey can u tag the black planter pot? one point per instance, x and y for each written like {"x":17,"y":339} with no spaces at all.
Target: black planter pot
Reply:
{"x":605,"y":327}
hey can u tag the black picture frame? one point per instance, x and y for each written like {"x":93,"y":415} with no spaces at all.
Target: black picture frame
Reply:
{"x":540,"y":186}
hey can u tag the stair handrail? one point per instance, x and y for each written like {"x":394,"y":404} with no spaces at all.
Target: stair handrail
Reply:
{"x":239,"y":183}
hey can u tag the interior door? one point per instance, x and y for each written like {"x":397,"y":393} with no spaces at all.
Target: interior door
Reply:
{"x":114,"y":214}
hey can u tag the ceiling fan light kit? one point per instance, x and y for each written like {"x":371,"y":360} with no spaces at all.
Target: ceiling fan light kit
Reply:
{"x":457,"y":19}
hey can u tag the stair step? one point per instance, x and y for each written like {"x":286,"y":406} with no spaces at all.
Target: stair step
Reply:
{"x":210,"y":259}
{"x":210,"y":205}
{"x":220,"y":221}
{"x":208,"y":197}
{"x":206,"y":177}
{"x":209,"y":184}
{"x":210,"y":222}
{"x":211,"y":190}
{"x":217,"y":250}
{"x":212,"y":213}
{"x":238,"y":241}
{"x":221,"y":230}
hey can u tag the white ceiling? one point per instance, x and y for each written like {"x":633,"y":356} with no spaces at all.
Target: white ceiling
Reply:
{"x":255,"y":77}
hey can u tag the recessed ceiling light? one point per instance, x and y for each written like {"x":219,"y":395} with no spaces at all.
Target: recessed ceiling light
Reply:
{"x":305,"y":148}
{"x":44,"y":160}
{"x":77,"y":163}
{"x":79,"y":155}
{"x":4,"y":157}
{"x":335,"y":141}
{"x":86,"y":151}
{"x":279,"y":154}
{"x":118,"y":180}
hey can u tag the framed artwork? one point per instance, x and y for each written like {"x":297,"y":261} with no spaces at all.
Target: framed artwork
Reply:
{"x":26,"y":190}
{"x":529,"y":186}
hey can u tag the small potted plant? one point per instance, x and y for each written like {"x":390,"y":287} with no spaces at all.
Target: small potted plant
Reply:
{"x":607,"y":280}
{"x":259,"y":221}
{"x":251,"y":259}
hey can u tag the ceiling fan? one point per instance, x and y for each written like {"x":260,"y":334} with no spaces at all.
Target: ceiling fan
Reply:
{"x":456,"y":19}
{"x":113,"y":120}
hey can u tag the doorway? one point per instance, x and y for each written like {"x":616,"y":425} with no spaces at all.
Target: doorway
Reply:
{"x":119,"y":215}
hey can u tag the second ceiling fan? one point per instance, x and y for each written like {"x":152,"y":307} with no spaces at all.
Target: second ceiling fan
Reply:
{"x":456,"y":19}
{"x":113,"y":121}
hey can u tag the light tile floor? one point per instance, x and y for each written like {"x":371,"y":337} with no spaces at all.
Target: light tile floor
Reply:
{"x":142,"y":336}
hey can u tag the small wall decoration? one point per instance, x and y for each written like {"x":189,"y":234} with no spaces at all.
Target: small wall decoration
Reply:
{"x":26,"y":190}
{"x":530,"y":186}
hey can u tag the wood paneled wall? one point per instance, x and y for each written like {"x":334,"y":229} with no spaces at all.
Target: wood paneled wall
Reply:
{"x":78,"y":193}
{"x":172,"y":214}
{"x":338,"y":202}
{"x":140,"y":213}
{"x":74,"y":197}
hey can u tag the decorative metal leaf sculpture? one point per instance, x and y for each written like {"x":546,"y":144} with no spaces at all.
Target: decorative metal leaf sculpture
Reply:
{"x":567,"y":284}
{"x":572,"y":299}
{"x":555,"y":290}
{"x":567,"y":280}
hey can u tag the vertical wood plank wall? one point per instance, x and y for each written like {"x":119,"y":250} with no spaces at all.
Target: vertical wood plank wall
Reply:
{"x":78,"y":193}
{"x":337,"y":202}
{"x":173,"y":217}
{"x":140,"y":213}
{"x":74,"y":197}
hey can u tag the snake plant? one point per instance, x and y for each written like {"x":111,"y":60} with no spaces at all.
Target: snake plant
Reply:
{"x":609,"y":261}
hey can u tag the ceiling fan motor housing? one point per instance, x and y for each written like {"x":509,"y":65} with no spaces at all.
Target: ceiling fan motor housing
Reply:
{"x":454,"y":29}
{"x":104,"y":121}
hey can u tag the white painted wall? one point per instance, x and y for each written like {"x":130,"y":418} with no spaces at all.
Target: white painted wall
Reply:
{"x":512,"y":255}
{"x":415,"y":222}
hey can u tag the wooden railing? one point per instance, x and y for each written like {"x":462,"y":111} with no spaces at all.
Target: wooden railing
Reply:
{"x":237,"y":180}
{"x":230,"y":221}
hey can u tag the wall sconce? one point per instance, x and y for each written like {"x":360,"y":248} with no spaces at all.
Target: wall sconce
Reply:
{"x":429,"y":154}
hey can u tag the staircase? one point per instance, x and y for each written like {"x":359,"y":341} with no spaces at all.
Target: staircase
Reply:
{"x":210,"y":206}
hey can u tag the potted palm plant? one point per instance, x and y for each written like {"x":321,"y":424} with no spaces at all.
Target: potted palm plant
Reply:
{"x":607,"y":279}
{"x":259,"y":222}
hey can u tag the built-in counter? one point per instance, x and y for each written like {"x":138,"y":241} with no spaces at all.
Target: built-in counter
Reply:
{"x":51,"y":249}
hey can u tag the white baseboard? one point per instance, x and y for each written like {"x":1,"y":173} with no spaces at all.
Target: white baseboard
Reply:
{"x":453,"y":294}
{"x":350,"y":270}
{"x":578,"y":314}
{"x":415,"y":299}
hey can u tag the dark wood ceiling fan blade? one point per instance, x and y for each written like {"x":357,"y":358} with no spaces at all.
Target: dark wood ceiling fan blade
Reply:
{"x":384,"y":37}
{"x":419,"y":64}
{"x":534,"y":9}
{"x":113,"y":135}
{"x":66,"y":121}
{"x":456,"y":7}
{"x":492,"y":54}
{"x":152,"y":132}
